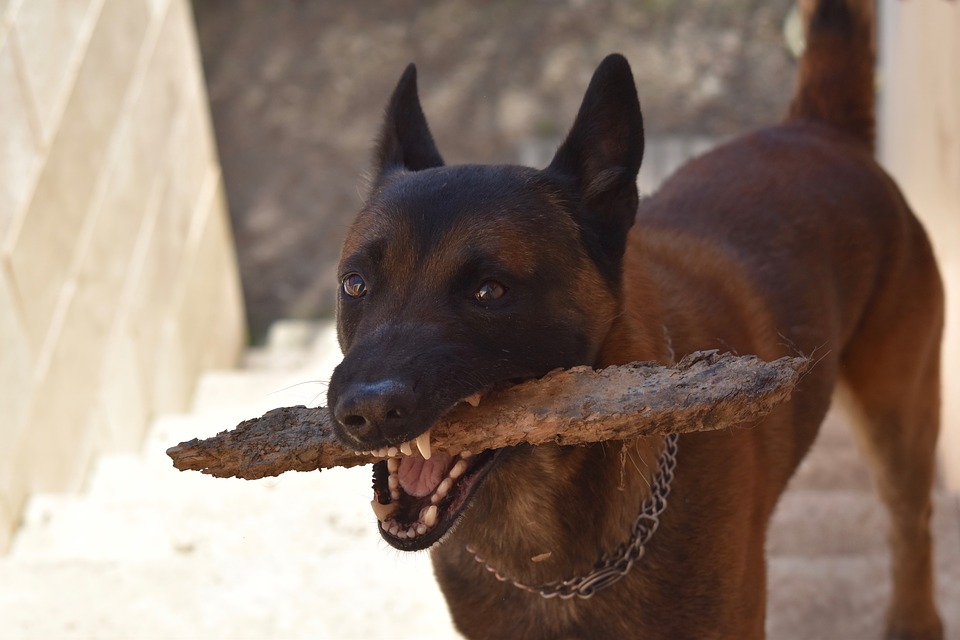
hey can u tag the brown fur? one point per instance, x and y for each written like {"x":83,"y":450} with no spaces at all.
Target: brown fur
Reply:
{"x":788,"y":240}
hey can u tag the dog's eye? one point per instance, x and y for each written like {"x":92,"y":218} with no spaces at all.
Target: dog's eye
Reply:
{"x":490,"y":291}
{"x":353,"y":285}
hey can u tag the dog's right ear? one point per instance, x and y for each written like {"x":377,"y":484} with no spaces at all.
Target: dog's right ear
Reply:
{"x":405,"y":142}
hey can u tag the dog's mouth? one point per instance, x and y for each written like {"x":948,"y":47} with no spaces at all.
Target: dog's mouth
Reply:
{"x":418,"y":501}
{"x":420,"y":494}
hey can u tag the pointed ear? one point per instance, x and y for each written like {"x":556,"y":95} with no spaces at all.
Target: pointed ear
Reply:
{"x":405,"y":141}
{"x":602,"y":155}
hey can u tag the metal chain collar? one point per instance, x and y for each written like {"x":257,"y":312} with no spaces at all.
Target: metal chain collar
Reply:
{"x":610,"y":569}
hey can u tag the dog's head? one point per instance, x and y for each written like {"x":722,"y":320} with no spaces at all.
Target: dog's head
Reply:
{"x":455,"y":279}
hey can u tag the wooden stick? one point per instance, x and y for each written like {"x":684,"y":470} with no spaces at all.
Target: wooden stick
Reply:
{"x":703,"y":392}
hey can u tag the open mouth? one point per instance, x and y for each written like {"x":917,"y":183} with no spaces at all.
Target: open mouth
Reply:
{"x":420,"y":494}
{"x":418,"y":501}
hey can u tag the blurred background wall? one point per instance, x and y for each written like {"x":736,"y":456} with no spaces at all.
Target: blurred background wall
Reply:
{"x":919,"y":131}
{"x":118,"y":279}
{"x":297,"y":90}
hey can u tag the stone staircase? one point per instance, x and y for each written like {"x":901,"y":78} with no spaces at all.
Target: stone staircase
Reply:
{"x":148,"y":552}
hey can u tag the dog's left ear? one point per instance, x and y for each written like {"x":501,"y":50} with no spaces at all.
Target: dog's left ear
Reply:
{"x":405,"y":141}
{"x":602,"y":154}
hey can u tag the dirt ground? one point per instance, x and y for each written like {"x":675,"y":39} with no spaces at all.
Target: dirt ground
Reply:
{"x":298,"y":87}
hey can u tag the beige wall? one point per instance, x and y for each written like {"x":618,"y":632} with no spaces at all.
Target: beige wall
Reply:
{"x":920,"y":146}
{"x":118,"y":282}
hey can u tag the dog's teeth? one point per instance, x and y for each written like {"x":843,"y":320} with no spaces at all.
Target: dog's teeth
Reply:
{"x":423,"y":444}
{"x":394,"y":530}
{"x":393,"y":465}
{"x":473,"y":400}
{"x":395,"y":495}
{"x":421,"y":529}
{"x":466,"y":454}
{"x":392,"y":452}
{"x":393,"y":482}
{"x":430,"y":515}
{"x":444,"y":487}
{"x":383,"y":511}
{"x":458,"y":469}
{"x":405,"y":449}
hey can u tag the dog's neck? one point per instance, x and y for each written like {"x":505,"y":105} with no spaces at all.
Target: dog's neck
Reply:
{"x":537,"y":519}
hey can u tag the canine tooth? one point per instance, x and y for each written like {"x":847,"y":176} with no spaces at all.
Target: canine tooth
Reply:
{"x":423,"y":444}
{"x":393,"y":465}
{"x":444,"y":487}
{"x":430,"y":515}
{"x":473,"y":400}
{"x":383,"y":511}
{"x":421,"y":529}
{"x":392,"y":452}
{"x":458,"y":469}
{"x":466,"y":454}
{"x":405,"y":449}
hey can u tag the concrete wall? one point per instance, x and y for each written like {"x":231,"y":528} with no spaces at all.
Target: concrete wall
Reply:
{"x":118,"y":282}
{"x":920,"y":146}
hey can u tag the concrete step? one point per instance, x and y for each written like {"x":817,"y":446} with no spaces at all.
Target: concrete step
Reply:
{"x":261,"y":389}
{"x":150,"y":552}
{"x":294,"y":368}
{"x":846,"y":523}
{"x":293,"y":344}
{"x":842,"y":598}
{"x":329,"y":596}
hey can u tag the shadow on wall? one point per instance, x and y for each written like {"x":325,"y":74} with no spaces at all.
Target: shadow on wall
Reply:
{"x":297,"y":90}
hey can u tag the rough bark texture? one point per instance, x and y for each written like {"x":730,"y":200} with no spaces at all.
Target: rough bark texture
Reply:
{"x":703,"y":392}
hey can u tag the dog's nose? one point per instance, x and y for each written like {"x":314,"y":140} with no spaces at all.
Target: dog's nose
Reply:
{"x":370,"y":411}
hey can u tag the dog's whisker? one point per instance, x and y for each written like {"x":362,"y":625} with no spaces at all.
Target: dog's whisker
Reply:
{"x":299,"y":384}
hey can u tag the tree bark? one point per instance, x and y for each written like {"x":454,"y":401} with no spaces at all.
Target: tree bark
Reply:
{"x":703,"y":392}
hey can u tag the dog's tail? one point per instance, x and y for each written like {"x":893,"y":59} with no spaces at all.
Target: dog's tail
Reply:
{"x":835,"y":84}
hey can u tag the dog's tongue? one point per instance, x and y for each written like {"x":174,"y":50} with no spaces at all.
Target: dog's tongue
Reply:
{"x":419,"y":477}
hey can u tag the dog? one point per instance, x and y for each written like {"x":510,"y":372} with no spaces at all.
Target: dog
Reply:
{"x":457,"y":279}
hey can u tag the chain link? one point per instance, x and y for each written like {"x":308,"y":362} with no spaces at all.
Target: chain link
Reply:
{"x":610,"y":569}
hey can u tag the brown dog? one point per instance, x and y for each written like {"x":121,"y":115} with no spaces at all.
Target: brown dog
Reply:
{"x":791,"y":239}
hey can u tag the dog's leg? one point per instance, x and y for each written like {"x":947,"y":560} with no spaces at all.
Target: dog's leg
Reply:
{"x":895,"y":384}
